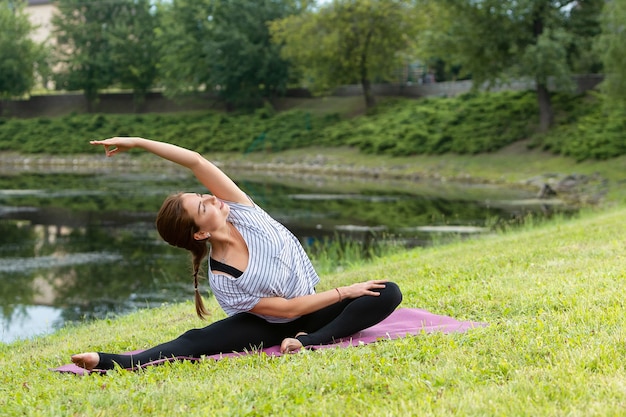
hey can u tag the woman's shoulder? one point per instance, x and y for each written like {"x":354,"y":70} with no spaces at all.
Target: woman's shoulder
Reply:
{"x":249,"y":213}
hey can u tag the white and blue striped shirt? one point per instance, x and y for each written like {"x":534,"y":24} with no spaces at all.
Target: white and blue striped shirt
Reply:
{"x":278,"y":266}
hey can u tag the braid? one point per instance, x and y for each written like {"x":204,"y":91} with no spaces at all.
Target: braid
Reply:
{"x":177,"y":228}
{"x":201,"y":310}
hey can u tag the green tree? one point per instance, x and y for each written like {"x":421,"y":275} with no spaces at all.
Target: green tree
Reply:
{"x":19,"y":54}
{"x":134,"y":51}
{"x":224,"y":46}
{"x":585,"y":25}
{"x":182,"y":29}
{"x":105,"y":43}
{"x":497,"y":40}
{"x":612,"y":46}
{"x":348,"y":41}
{"x":83,"y":47}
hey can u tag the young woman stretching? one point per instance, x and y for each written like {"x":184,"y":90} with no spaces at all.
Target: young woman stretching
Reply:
{"x":258,"y":271}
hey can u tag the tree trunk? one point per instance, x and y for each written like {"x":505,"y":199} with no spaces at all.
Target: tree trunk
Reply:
{"x":546,"y":115}
{"x":370,"y":101}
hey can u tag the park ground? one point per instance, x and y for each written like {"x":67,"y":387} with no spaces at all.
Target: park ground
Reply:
{"x":551,"y":293}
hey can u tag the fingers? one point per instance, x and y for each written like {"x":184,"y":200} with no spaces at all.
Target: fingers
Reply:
{"x":100,"y":142}
{"x":370,"y":286}
{"x":379,"y":283}
{"x":109,"y":151}
{"x":110,"y":147}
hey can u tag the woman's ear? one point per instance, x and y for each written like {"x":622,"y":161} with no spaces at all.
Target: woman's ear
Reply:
{"x":199,"y":235}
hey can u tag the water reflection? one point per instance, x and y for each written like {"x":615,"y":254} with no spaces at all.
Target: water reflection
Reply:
{"x":77,"y":246}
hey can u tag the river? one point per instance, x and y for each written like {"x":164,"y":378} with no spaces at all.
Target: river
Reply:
{"x":78,"y":245}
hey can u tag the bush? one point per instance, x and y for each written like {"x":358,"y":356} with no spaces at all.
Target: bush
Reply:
{"x":204,"y":132}
{"x":472,"y":123}
{"x":588,"y":129}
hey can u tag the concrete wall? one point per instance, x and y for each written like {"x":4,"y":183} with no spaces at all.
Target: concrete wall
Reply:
{"x":61,"y":104}
{"x":453,"y":88}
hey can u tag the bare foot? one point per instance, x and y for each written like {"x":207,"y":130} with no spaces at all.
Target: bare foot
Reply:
{"x":291,"y":344}
{"x":87,"y":360}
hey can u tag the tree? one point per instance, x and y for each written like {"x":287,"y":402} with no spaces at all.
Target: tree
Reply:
{"x":19,"y":55}
{"x":585,"y":23}
{"x":105,"y":43}
{"x":83,"y":49}
{"x":183,"y":63}
{"x":496,"y":40}
{"x":612,"y":45}
{"x":224,"y":46}
{"x":134,"y":51}
{"x":348,"y":41}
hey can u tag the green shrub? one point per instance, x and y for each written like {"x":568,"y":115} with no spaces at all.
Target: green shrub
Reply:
{"x":471,"y":123}
{"x":587,"y":129}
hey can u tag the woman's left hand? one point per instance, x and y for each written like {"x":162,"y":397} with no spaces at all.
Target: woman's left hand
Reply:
{"x":362,"y":288}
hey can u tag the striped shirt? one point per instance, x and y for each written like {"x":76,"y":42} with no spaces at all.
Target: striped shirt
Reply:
{"x":278,"y":266}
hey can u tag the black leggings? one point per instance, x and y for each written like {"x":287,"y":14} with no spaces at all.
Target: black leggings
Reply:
{"x":245,"y":331}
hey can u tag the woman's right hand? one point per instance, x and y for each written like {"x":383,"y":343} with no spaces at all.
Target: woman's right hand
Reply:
{"x":362,"y":288}
{"x":116,"y":145}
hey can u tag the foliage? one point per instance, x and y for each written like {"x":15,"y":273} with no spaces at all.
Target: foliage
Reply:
{"x":19,"y":54}
{"x":104,"y":43}
{"x":348,"y":41}
{"x":224,"y":46}
{"x":585,"y":24}
{"x":612,"y":46}
{"x":539,"y":39}
{"x":184,"y":61}
{"x":468,"y":124}
{"x":531,"y":38}
{"x":83,"y":47}
{"x":591,"y":130}
{"x":555,"y":336}
{"x":134,"y":52}
{"x":204,"y":132}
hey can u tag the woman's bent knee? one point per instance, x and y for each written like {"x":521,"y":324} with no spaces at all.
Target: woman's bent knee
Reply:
{"x":392,"y":293}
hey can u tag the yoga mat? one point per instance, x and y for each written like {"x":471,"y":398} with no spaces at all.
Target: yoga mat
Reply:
{"x":401,"y":323}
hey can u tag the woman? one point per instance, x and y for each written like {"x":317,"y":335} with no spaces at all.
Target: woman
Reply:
{"x":258,"y":272}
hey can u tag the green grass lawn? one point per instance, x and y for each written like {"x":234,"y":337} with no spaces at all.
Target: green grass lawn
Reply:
{"x":552,"y":295}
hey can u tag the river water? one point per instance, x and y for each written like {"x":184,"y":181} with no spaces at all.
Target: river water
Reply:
{"x":79,"y":245}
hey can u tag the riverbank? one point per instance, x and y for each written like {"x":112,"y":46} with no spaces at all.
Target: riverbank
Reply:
{"x":554,"y":344}
{"x":585,"y":183}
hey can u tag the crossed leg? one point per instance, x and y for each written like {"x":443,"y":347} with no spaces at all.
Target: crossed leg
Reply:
{"x":245,"y":331}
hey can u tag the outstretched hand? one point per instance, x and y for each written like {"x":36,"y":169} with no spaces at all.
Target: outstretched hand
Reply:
{"x":116,"y":145}
{"x":362,"y":288}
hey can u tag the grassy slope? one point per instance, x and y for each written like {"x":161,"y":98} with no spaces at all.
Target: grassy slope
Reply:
{"x":552,"y":295}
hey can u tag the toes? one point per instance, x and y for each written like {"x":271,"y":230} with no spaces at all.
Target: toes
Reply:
{"x":290,"y":345}
{"x":86,"y":360}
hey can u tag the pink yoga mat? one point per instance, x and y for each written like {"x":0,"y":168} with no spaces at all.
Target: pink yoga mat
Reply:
{"x":402,"y":322}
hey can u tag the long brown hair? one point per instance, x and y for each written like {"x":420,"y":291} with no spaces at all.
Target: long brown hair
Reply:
{"x":177,"y":228}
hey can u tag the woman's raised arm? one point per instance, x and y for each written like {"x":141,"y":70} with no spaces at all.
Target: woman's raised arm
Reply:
{"x":216,"y":181}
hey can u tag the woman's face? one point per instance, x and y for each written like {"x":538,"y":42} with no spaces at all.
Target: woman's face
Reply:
{"x":208,"y":212}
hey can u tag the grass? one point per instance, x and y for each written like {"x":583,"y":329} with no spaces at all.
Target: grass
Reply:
{"x":551,"y":294}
